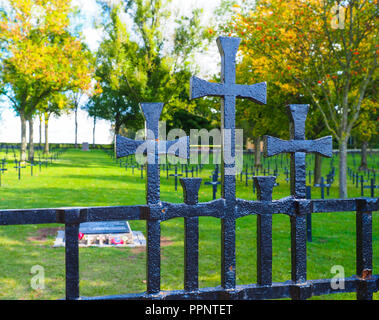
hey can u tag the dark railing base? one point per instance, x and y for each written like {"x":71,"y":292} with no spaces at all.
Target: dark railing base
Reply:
{"x":277,"y":290}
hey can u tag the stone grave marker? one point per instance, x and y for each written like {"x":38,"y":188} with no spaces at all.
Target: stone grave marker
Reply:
{"x":85,"y":146}
{"x":105,"y":234}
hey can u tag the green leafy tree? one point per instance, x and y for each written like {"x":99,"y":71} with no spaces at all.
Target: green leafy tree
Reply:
{"x":136,"y":63}
{"x":41,"y":58}
{"x":329,"y":49}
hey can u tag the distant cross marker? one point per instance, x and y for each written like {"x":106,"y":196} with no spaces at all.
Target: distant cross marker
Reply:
{"x":228,"y":90}
{"x":214,"y":184}
{"x":176,"y":175}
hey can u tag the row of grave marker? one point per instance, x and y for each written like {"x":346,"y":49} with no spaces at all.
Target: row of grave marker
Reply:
{"x":248,"y":174}
{"x":43,"y":161}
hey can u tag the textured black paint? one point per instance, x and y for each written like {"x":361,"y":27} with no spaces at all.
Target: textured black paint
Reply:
{"x":264,"y":186}
{"x":191,"y":235}
{"x":72,"y":219}
{"x":228,"y":90}
{"x":364,"y":249}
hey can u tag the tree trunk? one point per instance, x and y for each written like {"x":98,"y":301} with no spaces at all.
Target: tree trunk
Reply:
{"x":364,"y":156}
{"x":257,"y":153}
{"x":40,"y":131}
{"x":93,"y":132}
{"x":46,"y":149}
{"x":31,"y":139}
{"x":76,"y":127}
{"x":23,"y":138}
{"x":343,"y":168}
{"x":117,"y":127}
{"x":317,"y":170}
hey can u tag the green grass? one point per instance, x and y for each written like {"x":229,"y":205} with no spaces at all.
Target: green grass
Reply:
{"x":93,"y":179}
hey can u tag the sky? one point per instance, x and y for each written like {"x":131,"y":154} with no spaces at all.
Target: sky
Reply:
{"x":61,"y":130}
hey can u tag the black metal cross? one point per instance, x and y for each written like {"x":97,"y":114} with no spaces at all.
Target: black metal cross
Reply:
{"x":2,"y":172}
{"x":31,"y":167}
{"x":214,"y":184}
{"x":19,"y":167}
{"x":176,"y":175}
{"x":125,"y":147}
{"x":298,"y":147}
{"x":322,"y":186}
{"x":228,"y":90}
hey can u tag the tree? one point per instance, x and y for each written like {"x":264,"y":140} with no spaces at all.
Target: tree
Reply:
{"x":56,"y":104}
{"x":329,"y":51}
{"x":75,"y":99}
{"x":136,"y":64}
{"x":42,"y":57}
{"x":366,"y":127}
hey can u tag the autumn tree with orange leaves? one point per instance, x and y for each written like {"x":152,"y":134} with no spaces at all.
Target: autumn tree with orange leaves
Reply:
{"x":325,"y":49}
{"x":40,"y":57}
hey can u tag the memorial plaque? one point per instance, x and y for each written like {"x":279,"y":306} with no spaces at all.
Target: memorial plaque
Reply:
{"x":105,"y":234}
{"x":104,"y":227}
{"x":85,"y":146}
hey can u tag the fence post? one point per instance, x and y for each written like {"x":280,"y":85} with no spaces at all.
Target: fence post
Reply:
{"x":364,"y":251}
{"x":71,"y":219}
{"x":309,"y":215}
{"x":191,"y":235}
{"x":264,"y":186}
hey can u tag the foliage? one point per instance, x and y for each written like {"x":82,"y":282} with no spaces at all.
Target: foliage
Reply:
{"x":40,"y":56}
{"x":315,"y":49}
{"x":136,"y":63}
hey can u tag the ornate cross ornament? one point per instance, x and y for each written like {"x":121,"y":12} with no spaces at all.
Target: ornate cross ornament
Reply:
{"x":151,"y":112}
{"x":298,"y":147}
{"x":124,"y":147}
{"x":228,"y":90}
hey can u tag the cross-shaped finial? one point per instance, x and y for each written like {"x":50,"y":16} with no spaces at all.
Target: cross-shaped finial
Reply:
{"x":228,"y":90}
{"x":298,"y":147}
{"x":152,"y":113}
{"x":125,"y":147}
{"x":228,"y":48}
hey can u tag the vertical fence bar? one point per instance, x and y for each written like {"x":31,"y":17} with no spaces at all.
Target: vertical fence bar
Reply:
{"x":191,"y":252}
{"x":153,"y":259}
{"x":191,"y":188}
{"x":228,"y":90}
{"x":363,"y":250}
{"x":72,"y":253}
{"x":298,"y":220}
{"x":228,"y":48}
{"x":264,"y":187}
{"x":152,"y":112}
{"x":309,"y":215}
{"x":301,"y":289}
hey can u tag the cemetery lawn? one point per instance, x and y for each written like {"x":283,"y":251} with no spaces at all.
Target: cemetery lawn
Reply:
{"x":93,"y":179}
